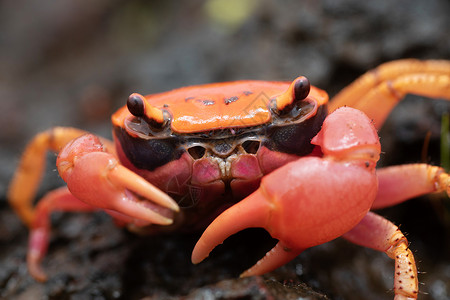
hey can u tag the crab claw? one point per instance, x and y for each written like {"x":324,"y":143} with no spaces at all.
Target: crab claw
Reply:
{"x":96,"y":177}
{"x":307,"y":202}
{"x":300,"y":206}
{"x":254,"y":211}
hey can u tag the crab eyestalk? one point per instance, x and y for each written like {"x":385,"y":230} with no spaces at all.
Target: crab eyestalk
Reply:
{"x":297,"y":91}
{"x":139,"y":107}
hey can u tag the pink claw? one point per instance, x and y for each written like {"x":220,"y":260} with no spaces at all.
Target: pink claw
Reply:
{"x":309,"y":201}
{"x":96,"y":177}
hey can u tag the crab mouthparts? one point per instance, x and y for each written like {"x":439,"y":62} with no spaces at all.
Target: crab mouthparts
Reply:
{"x":224,"y":165}
{"x":225,"y":161}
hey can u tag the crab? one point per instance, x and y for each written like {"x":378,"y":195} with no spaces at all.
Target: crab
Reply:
{"x":229,"y":156}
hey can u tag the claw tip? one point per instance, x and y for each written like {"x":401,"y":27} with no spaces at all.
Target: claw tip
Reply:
{"x":195,"y":259}
{"x":166,"y":221}
{"x":199,"y":253}
{"x":174,"y":206}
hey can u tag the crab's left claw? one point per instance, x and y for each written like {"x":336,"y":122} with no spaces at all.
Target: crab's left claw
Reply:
{"x":97,"y":178}
{"x":311,"y":200}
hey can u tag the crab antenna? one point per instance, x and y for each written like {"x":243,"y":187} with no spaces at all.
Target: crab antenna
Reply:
{"x":297,"y":91}
{"x":139,"y":107}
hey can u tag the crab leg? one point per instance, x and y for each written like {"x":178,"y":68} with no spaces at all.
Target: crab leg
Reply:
{"x":58,"y":200}
{"x":378,"y":91}
{"x":309,"y":201}
{"x":24,"y":184}
{"x":95,"y":177}
{"x":378,"y":233}
{"x":399,"y":183}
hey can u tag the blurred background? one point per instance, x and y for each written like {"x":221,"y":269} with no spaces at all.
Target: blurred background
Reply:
{"x":73,"y":63}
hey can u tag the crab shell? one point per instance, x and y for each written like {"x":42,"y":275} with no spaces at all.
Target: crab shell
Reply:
{"x":208,"y":146}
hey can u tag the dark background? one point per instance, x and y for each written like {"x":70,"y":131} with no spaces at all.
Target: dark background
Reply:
{"x":72,"y":63}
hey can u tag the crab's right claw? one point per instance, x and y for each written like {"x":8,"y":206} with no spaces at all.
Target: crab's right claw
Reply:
{"x":97,"y":178}
{"x":254,"y":211}
{"x":309,"y":201}
{"x":285,"y":203}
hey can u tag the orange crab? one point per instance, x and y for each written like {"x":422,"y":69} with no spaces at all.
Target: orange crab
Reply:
{"x":243,"y":154}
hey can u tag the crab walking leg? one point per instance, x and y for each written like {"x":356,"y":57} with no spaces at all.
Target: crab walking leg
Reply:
{"x":378,"y":233}
{"x":58,"y":200}
{"x":380,"y":101}
{"x":378,"y":91}
{"x":387,"y":72}
{"x":25,"y":182}
{"x":96,"y":177}
{"x":23,"y":186}
{"x":309,"y":201}
{"x":399,"y":183}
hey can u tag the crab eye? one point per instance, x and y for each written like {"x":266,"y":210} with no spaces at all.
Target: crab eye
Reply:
{"x":139,"y":107}
{"x":135,"y":105}
{"x":297,"y":91}
{"x":301,"y":88}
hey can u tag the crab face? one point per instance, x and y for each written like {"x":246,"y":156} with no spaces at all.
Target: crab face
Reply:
{"x":216,"y":141}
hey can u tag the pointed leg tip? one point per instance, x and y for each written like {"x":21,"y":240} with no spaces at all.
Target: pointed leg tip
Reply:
{"x":39,"y":275}
{"x":34,"y":267}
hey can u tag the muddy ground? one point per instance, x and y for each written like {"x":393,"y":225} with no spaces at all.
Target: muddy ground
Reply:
{"x":70,"y":63}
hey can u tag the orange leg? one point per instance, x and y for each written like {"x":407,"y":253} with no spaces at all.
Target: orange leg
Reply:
{"x":400,"y":183}
{"x":378,"y":233}
{"x":57,"y":200}
{"x":25,"y":182}
{"x":378,"y":91}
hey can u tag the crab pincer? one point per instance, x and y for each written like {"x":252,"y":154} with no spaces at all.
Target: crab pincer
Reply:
{"x":97,"y":178}
{"x":309,"y":201}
